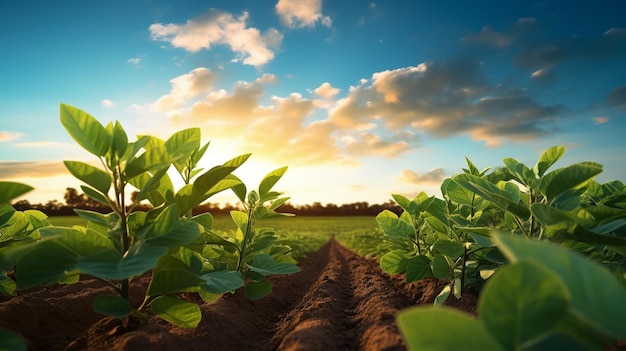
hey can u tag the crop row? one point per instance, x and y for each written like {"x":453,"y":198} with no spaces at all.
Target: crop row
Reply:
{"x":546,"y":249}
{"x":179,"y":251}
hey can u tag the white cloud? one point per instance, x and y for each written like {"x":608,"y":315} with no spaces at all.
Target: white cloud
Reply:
{"x":301,"y":13}
{"x":218,"y":27}
{"x":107,"y":103}
{"x":185,"y":87}
{"x":326,"y":91}
{"x":9,"y":136}
{"x":31,"y":169}
{"x":134,"y":60}
{"x":432,"y":177}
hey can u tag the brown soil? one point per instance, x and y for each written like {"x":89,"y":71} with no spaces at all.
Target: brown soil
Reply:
{"x":339,"y":301}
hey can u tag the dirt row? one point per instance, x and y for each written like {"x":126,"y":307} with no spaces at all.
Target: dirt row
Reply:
{"x":339,"y":301}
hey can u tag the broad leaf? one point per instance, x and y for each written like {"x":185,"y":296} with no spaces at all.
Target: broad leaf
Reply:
{"x":548,"y":158}
{"x":85,"y":130}
{"x":89,"y":174}
{"x":523,"y":303}
{"x":265,"y":265}
{"x":167,"y":281}
{"x":417,"y":268}
{"x":431,"y":328}
{"x":571,"y":177}
{"x":11,"y":190}
{"x":256,"y":290}
{"x":393,"y":226}
{"x":218,"y":282}
{"x":176,"y":311}
{"x":113,"y":306}
{"x":600,"y":308}
{"x":270,"y":179}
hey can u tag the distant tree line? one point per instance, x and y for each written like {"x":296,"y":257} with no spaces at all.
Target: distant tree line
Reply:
{"x":75,"y":200}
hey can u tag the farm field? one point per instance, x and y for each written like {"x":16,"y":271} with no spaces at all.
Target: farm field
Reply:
{"x":506,"y":260}
{"x":339,"y":301}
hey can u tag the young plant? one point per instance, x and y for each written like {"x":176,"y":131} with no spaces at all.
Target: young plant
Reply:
{"x":124,"y":244}
{"x":425,"y":244}
{"x":16,"y":229}
{"x":546,"y":298}
{"x":253,"y":251}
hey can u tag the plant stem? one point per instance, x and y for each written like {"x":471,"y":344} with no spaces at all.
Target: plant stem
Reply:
{"x":244,"y":243}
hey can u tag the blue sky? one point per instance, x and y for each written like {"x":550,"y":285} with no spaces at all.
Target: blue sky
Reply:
{"x":361,"y":99}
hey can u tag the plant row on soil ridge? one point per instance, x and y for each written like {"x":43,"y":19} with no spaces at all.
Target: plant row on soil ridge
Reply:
{"x":545,"y":249}
{"x":178,"y":249}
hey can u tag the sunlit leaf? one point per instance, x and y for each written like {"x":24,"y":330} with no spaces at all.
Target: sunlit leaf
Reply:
{"x":85,"y":130}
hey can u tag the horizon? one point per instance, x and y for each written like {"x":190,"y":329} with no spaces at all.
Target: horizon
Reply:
{"x":360,"y":99}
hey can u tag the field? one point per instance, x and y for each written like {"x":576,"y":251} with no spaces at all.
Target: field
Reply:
{"x":514,"y":259}
{"x":339,"y":301}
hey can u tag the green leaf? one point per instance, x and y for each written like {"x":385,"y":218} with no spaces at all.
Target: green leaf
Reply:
{"x":548,"y":158}
{"x":11,"y":190}
{"x":113,"y":306}
{"x":212,"y":177}
{"x":11,"y":341}
{"x":95,"y":195}
{"x":264,"y":264}
{"x":183,"y":143}
{"x":453,"y":249}
{"x":597,"y":298}
{"x":430,"y":328}
{"x":7,"y":285}
{"x":440,"y":267}
{"x":443,"y":295}
{"x":393,"y":226}
{"x":256,"y":290}
{"x":167,"y":281}
{"x":85,"y":130}
{"x":270,"y":180}
{"x":523,"y":303}
{"x":89,"y":174}
{"x":394,"y":262}
{"x":571,"y":177}
{"x":417,"y":268}
{"x":218,"y":282}
{"x":457,"y":193}
{"x":153,"y":160}
{"x":120,"y":140}
{"x":176,"y":311}
{"x":204,"y":219}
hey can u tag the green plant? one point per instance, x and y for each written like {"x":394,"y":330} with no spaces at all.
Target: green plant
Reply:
{"x":124,"y":244}
{"x":547,"y":297}
{"x":16,"y":228}
{"x":253,"y":251}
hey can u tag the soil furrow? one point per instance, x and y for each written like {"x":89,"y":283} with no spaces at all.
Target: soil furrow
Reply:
{"x":339,"y":301}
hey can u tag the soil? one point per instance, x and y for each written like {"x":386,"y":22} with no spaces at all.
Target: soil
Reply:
{"x":339,"y":301}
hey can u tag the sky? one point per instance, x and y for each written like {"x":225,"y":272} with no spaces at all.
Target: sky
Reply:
{"x":360,"y":99}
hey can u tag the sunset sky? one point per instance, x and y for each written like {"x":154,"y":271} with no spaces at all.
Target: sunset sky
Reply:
{"x":361,"y":99}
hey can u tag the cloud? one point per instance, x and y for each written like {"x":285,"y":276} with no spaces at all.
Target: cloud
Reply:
{"x":301,"y":13}
{"x":444,"y":99}
{"x":432,"y":177}
{"x":221,"y":28}
{"x":185,"y":87}
{"x":9,"y":136}
{"x":489,"y":36}
{"x":551,"y":52}
{"x":326,"y":90}
{"x":31,"y":169}
{"x":134,"y":60}
{"x":107,"y":103}
{"x":600,"y":120}
{"x":617,"y":98}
